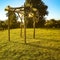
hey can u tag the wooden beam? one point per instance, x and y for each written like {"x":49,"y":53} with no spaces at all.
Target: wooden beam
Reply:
{"x":13,"y":10}
{"x":16,"y":7}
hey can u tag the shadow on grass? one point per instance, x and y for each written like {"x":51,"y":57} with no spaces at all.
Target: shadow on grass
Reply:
{"x":54,"y":40}
{"x":2,"y":45}
{"x":32,"y":44}
{"x":39,"y":46}
{"x":50,"y":48}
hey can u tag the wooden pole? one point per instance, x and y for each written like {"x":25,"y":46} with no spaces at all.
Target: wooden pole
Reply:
{"x":21,"y":28}
{"x":24,"y":24}
{"x":34,"y":28}
{"x":8,"y":26}
{"x":25,"y":31}
{"x":21,"y":25}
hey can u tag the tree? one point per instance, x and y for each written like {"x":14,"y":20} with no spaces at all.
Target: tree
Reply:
{"x":42,"y":11}
{"x":38,"y":10}
{"x":58,"y":24}
{"x":52,"y":23}
{"x":29,"y":23}
{"x":13,"y":19}
{"x":2,"y":25}
{"x":1,"y":28}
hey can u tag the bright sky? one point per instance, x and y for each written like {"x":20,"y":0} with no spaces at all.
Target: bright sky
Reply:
{"x":53,"y":7}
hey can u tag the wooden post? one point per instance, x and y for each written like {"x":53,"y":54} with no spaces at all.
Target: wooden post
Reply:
{"x":34,"y":28}
{"x":8,"y":25}
{"x":25,"y":30}
{"x":21,"y":29}
{"x":21,"y":25}
{"x":24,"y":24}
{"x":34,"y":18}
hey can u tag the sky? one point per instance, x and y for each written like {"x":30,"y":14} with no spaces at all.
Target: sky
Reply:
{"x":53,"y":8}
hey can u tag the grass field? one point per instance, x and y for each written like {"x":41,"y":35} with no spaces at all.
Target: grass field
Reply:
{"x":46,"y":45}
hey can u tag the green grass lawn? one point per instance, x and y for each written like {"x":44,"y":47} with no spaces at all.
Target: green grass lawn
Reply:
{"x":45,"y":46}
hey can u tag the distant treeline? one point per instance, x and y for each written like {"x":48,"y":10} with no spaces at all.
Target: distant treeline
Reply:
{"x":4,"y":25}
{"x":47,"y":24}
{"x":52,"y":23}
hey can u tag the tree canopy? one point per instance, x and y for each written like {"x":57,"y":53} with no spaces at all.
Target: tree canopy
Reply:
{"x":40,"y":7}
